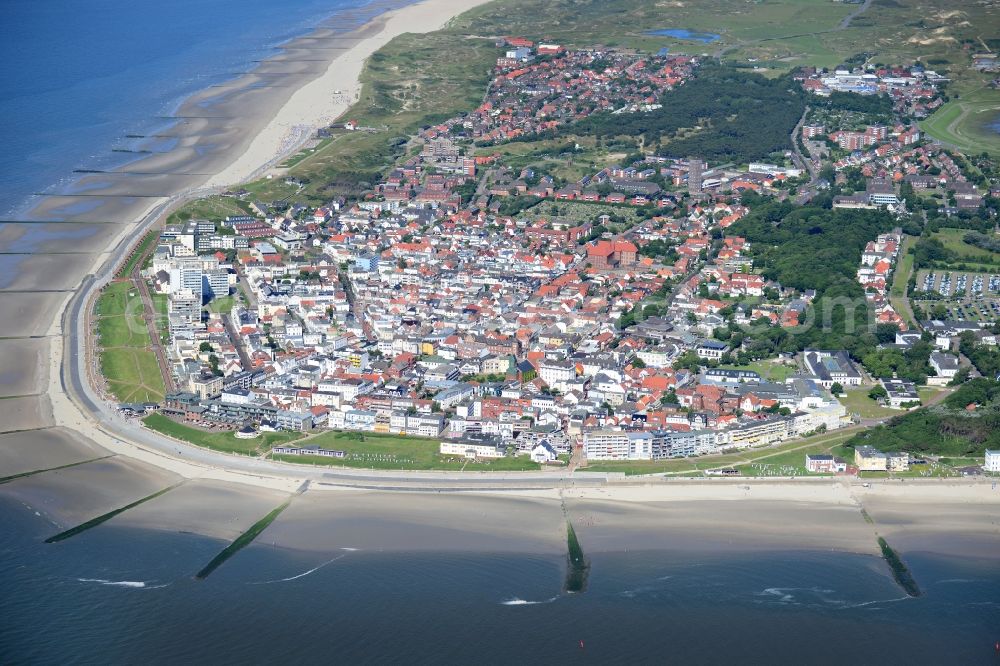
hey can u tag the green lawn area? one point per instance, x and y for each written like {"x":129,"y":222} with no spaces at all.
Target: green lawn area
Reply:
{"x":113,"y":299}
{"x":133,"y":375}
{"x":676,"y":466}
{"x":768,"y":370}
{"x":122,"y":331}
{"x":126,"y":360}
{"x":221,"y":305}
{"x":858,"y":402}
{"x":931,"y":469}
{"x":952,"y":240}
{"x":307,"y":152}
{"x":159,"y":303}
{"x":147,"y":242}
{"x":211,"y":208}
{"x":928,"y":392}
{"x":900,"y":278}
{"x":792,"y":463}
{"x":965,"y":122}
{"x":379,"y":451}
{"x":223,"y":440}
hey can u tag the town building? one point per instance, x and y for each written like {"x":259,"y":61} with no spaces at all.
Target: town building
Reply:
{"x":992,"y":463}
{"x":869,"y":459}
{"x":824,"y":464}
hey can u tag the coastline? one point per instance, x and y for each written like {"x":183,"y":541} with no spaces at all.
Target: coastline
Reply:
{"x":309,"y":107}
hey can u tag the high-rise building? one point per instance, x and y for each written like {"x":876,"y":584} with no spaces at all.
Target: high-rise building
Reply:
{"x":188,"y":275}
{"x":215,"y":283}
{"x":185,"y":305}
{"x":695,"y":170}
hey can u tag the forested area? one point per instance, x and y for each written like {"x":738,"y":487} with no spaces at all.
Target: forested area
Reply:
{"x":810,"y":248}
{"x":728,"y":105}
{"x":848,"y":101}
{"x":950,"y":429}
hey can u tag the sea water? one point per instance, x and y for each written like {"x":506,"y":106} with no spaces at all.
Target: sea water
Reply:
{"x":115,"y":595}
{"x":77,"y":77}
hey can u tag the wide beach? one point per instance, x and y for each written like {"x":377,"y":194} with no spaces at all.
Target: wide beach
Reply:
{"x":75,"y":465}
{"x":222,"y":136}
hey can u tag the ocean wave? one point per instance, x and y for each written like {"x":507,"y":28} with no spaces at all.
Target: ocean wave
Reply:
{"x":301,"y":575}
{"x":122,"y":583}
{"x":785,"y":594}
{"x":876,"y":601}
{"x":792,"y":595}
{"x":524,"y":602}
{"x":948,"y":581}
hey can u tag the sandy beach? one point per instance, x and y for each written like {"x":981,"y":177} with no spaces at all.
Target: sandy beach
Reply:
{"x":318,"y":103}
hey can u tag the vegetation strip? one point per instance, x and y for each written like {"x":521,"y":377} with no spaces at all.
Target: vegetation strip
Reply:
{"x":242,"y":541}
{"x":899,"y":570}
{"x":139,"y":252}
{"x":7,"y":479}
{"x":94,"y":522}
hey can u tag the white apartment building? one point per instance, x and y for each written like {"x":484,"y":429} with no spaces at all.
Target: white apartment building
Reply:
{"x":618,"y":445}
{"x":557,"y":373}
{"x":470,"y":450}
{"x":992,"y":461}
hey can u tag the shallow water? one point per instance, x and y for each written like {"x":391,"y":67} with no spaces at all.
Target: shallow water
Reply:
{"x":77,"y":79}
{"x":118,"y":595}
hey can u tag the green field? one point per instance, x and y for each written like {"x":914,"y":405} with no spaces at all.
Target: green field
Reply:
{"x":628,"y":23}
{"x":126,"y":360}
{"x":212,"y":208}
{"x":222,"y":440}
{"x":965,"y":122}
{"x":144,"y":246}
{"x":768,"y":370}
{"x":792,"y":463}
{"x":122,"y":331}
{"x":222,"y":305}
{"x":900,"y":278}
{"x":952,"y":240}
{"x":858,"y":402}
{"x":379,"y":451}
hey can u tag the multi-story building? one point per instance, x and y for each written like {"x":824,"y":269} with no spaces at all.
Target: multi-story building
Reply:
{"x":618,"y":445}
{"x":471,"y":450}
{"x":670,"y":444}
{"x":215,"y":284}
{"x":992,"y":463}
{"x":185,"y":304}
{"x":831,"y":367}
{"x":870,"y":459}
{"x":824,"y":464}
{"x":557,"y":373}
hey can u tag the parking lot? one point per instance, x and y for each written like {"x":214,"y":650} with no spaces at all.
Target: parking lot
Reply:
{"x":967,"y":295}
